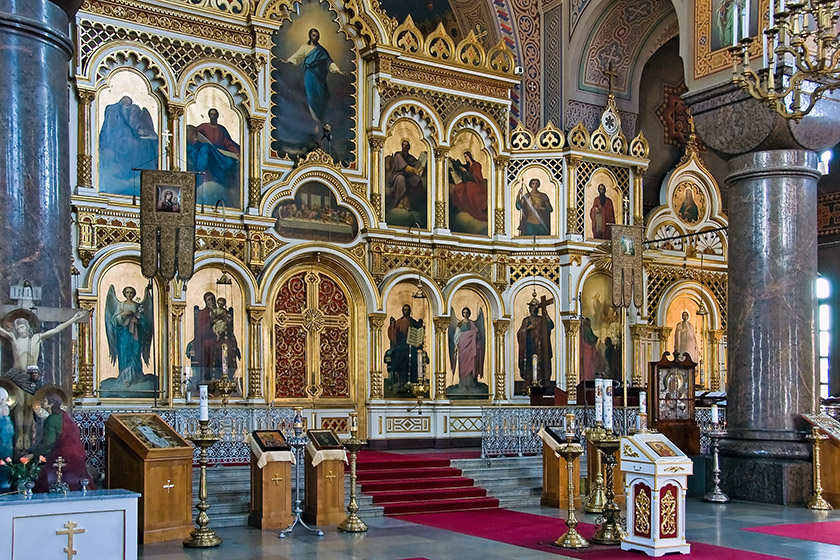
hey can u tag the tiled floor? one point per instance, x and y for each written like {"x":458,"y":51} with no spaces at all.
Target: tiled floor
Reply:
{"x":389,"y":539}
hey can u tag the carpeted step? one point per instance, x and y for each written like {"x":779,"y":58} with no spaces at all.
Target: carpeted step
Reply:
{"x":416,"y":483}
{"x":398,"y":472}
{"x":400,"y":462}
{"x":428,"y":494}
{"x":428,"y":506}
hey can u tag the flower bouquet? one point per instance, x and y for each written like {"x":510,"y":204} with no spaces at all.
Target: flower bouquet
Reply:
{"x":25,"y":470}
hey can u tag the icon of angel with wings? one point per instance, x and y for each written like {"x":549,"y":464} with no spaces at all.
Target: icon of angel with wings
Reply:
{"x":129,"y":325}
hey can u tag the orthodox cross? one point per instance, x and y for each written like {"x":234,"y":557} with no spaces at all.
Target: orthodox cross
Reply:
{"x":168,"y":486}
{"x":60,"y":463}
{"x":167,"y":135}
{"x":611,"y":75}
{"x":277,"y":479}
{"x":70,"y":530}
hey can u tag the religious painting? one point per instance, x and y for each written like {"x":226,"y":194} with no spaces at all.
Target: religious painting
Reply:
{"x":168,"y":198}
{"x":728,"y":22}
{"x":313,"y":85}
{"x":426,"y":14}
{"x":535,"y":199}
{"x":603,"y":204}
{"x":687,"y":334}
{"x":406,"y":176}
{"x":689,"y":202}
{"x":661,"y":448}
{"x":126,"y":346}
{"x":214,"y":140}
{"x":468,"y":345}
{"x":533,"y":312}
{"x":213,"y":328}
{"x":467,"y":167}
{"x":717,"y":27}
{"x":600,"y":330}
{"x":315,"y":215}
{"x":128,"y":118}
{"x":673,"y":391}
{"x":407,"y":338}
{"x":270,"y":440}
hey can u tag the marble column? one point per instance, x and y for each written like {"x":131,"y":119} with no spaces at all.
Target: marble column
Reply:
{"x":34,"y":161}
{"x":771,"y":300}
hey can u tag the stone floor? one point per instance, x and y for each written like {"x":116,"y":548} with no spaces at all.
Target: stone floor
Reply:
{"x":389,"y":539}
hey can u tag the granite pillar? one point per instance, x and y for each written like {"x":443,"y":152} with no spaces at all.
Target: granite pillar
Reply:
{"x":771,"y":315}
{"x":34,"y":162}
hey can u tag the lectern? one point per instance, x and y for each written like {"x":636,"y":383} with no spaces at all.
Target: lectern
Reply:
{"x":555,"y":487}
{"x":146,"y":455}
{"x":325,"y":458}
{"x":271,"y":481}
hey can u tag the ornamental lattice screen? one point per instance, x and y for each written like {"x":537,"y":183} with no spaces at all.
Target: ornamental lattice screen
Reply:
{"x":311,"y":338}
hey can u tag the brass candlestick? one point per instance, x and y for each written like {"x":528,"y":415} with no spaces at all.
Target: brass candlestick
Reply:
{"x":611,"y":530}
{"x":225,"y":386}
{"x":817,"y":501}
{"x":597,"y":498}
{"x":298,"y":443}
{"x":716,"y":495}
{"x":571,"y":538}
{"x":202,"y":537}
{"x":352,"y":523}
{"x":419,"y":389}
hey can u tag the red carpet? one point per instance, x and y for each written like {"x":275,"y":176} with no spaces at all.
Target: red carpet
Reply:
{"x":538,"y":531}
{"x":827,"y":532}
{"x":418,"y":483}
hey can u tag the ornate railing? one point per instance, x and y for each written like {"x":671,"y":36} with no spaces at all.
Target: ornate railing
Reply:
{"x":512,"y":431}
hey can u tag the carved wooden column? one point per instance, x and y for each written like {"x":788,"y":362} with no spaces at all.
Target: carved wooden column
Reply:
{"x":86,"y":384}
{"x":255,"y":356}
{"x":572,"y":328}
{"x":376,"y":357}
{"x":441,"y":351}
{"x":255,"y":125}
{"x":572,"y":226}
{"x":442,"y":191}
{"x":176,"y":348}
{"x":502,"y":163}
{"x":173,"y":145}
{"x":500,"y":328}
{"x":713,"y":336}
{"x":637,"y":214}
{"x":639,"y":361}
{"x":84,"y":158}
{"x":376,"y":198}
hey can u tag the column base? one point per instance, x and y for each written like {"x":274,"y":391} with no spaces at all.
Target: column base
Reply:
{"x":772,"y":481}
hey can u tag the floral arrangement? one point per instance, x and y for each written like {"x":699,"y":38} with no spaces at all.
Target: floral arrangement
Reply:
{"x":25,"y":469}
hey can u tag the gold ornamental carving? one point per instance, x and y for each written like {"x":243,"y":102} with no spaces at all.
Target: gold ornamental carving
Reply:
{"x":84,"y":175}
{"x":629,"y":451}
{"x":674,"y":469}
{"x":313,"y":320}
{"x":641,"y":514}
{"x":668,"y":525}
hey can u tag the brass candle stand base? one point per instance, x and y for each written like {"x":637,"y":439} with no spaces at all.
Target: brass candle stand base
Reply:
{"x":202,"y":537}
{"x":298,"y":442}
{"x":817,"y":501}
{"x":597,"y":498}
{"x":611,"y":530}
{"x":352,"y":523}
{"x":571,"y":538}
{"x":716,"y":495}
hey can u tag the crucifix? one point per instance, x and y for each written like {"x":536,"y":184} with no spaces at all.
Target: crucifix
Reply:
{"x":70,"y":530}
{"x":59,"y":464}
{"x":611,"y":75}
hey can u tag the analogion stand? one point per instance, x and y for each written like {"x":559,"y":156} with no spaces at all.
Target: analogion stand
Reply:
{"x":325,"y":459}
{"x":271,"y":481}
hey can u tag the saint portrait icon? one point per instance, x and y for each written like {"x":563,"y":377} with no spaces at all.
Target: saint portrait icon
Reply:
{"x":168,"y":198}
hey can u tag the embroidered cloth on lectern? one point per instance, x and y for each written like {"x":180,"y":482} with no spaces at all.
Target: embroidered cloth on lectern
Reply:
{"x":325,"y":455}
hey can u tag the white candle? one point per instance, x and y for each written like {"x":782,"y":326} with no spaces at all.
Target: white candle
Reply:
{"x":599,"y":401}
{"x":354,"y":422}
{"x":772,"y":19}
{"x":736,"y":19}
{"x":419,"y":365}
{"x":608,"y":404}
{"x":534,"y":368}
{"x":570,"y":424}
{"x":715,"y":417}
{"x":642,"y":401}
{"x":189,"y":397}
{"x":203,"y":405}
{"x":745,"y":28}
{"x":224,"y":360}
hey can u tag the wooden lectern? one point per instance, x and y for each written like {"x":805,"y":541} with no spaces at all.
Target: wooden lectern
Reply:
{"x":555,"y":486}
{"x":324,"y":500}
{"x":271,"y":485}
{"x":146,"y":455}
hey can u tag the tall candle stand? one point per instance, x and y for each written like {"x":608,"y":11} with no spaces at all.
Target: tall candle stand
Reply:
{"x":570,"y":451}
{"x":817,"y":501}
{"x":611,"y":530}
{"x":716,"y":495}
{"x":352,"y":524}
{"x":202,"y":537}
{"x":597,"y":498}
{"x":298,"y":442}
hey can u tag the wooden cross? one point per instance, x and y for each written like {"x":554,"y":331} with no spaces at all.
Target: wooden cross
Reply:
{"x":330,"y":475}
{"x":611,"y":75}
{"x":71,"y":530}
{"x":544,"y":303}
{"x":277,"y":479}
{"x":168,"y":486}
{"x":60,"y":463}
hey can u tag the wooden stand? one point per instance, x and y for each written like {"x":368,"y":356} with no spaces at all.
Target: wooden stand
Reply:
{"x":555,"y":486}
{"x":324,"y":499}
{"x":163,"y":475}
{"x":271,"y":495}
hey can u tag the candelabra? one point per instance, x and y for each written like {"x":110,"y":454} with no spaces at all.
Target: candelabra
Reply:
{"x":202,"y":537}
{"x":716,"y":495}
{"x":419,"y":389}
{"x":352,"y":524}
{"x":570,"y":451}
{"x":800,"y":55}
{"x":611,"y":530}
{"x":817,"y":501}
{"x":597,"y":498}
{"x":298,"y":442}
{"x":225,"y":386}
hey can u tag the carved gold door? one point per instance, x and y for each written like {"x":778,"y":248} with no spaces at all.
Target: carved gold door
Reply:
{"x":311,"y":330}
